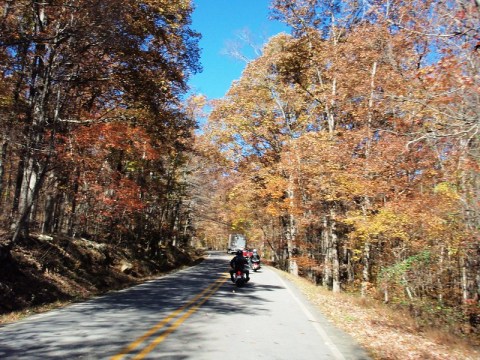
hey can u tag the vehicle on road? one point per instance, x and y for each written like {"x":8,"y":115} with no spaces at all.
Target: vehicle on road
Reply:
{"x":236,"y":242}
{"x":255,"y":265}
{"x":240,"y":278}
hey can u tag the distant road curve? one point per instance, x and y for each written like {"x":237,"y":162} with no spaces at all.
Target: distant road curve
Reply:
{"x":196,"y":313}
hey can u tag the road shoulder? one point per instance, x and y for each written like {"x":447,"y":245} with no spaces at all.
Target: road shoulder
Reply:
{"x":378,"y":329}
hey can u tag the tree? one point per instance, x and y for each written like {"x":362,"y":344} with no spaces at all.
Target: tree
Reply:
{"x":97,"y":66}
{"x":362,"y":129}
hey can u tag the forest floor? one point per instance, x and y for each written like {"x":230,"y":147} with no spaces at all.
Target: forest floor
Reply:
{"x":45,"y":273}
{"x":384,"y":332}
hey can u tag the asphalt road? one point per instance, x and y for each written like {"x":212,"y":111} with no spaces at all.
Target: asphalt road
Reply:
{"x":196,"y":313}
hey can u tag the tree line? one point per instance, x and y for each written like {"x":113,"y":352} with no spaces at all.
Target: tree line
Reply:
{"x":94,"y":126}
{"x":349,"y":152}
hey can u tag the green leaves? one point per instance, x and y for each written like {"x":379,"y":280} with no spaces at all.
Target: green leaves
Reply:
{"x":397,"y":272}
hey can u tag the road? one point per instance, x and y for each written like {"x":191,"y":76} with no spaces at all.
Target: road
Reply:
{"x":195,"y":313}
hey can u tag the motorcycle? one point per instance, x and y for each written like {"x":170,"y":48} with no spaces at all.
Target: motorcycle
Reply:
{"x":255,"y":265}
{"x":239,"y":278}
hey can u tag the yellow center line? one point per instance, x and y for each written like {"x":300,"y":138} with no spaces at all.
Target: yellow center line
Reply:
{"x":178,"y":322}
{"x":162,"y":323}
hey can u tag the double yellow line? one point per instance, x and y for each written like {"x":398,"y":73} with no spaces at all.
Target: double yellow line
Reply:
{"x":192,"y":306}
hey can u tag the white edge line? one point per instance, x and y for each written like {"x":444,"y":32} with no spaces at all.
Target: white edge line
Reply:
{"x":334,"y":349}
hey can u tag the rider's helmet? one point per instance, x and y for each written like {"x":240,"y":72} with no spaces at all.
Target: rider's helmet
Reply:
{"x":239,"y":252}
{"x":254,"y":250}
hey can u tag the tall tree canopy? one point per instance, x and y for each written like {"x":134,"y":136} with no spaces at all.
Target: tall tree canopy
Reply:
{"x":93,"y":126}
{"x":354,"y":147}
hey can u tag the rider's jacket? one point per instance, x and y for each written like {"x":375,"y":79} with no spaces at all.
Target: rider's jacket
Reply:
{"x":238,"y":263}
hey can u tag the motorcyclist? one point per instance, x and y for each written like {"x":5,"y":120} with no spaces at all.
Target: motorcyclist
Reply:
{"x":255,"y":260}
{"x":238,"y":262}
{"x":255,"y":256}
{"x":247,"y":253}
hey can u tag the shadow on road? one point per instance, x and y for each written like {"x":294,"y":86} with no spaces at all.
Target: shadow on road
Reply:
{"x":104,"y":325}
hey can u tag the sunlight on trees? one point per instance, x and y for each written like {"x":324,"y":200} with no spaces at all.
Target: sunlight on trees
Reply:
{"x":94,"y":133}
{"x":353,"y":145}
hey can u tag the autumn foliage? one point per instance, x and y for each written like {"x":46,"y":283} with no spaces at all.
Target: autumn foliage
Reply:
{"x":353,"y":151}
{"x":94,"y":129}
{"x":348,"y":152}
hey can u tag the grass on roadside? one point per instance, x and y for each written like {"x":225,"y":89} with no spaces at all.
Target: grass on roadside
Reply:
{"x":19,"y":315}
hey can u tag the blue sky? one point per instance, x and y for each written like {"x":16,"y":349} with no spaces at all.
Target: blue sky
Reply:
{"x":220,"y":22}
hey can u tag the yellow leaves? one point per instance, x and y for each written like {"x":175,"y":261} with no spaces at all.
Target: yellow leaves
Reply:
{"x":448,"y":190}
{"x":275,"y":186}
{"x":5,"y":101}
{"x":273,"y":210}
{"x":350,"y":186}
{"x":239,"y":224}
{"x":386,"y":224}
{"x":356,"y":255}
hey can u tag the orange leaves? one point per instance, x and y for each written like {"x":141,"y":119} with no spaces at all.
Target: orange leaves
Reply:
{"x":97,"y":89}
{"x":357,"y":131}
{"x":122,"y":198}
{"x":103,"y":155}
{"x":103,"y":137}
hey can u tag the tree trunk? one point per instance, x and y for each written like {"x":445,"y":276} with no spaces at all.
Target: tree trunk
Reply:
{"x":464,"y":279}
{"x":35,"y":162}
{"x":291,"y":231}
{"x":366,"y":269}
{"x":3,"y":159}
{"x":366,"y":204}
{"x":71,"y":228}
{"x":350,"y":268}
{"x":30,"y":195}
{"x":18,"y":187}
{"x":440,"y":274}
{"x":49,"y":210}
{"x":265,"y":239}
{"x":330,"y":110}
{"x":327,"y":267}
{"x":334,"y":255}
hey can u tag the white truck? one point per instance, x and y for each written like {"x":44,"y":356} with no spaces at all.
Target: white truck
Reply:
{"x":236,"y":242}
